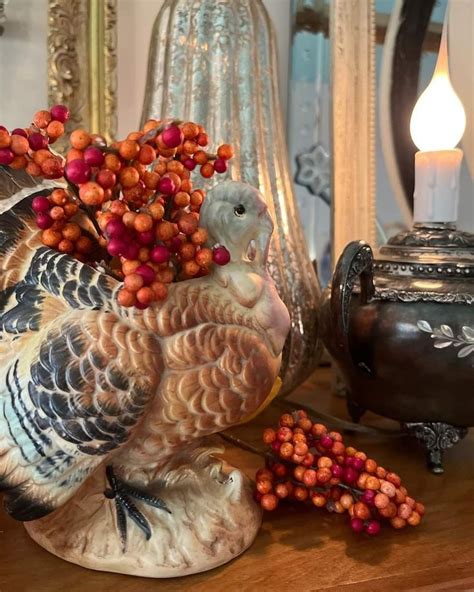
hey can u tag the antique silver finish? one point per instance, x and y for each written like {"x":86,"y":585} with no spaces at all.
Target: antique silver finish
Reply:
{"x":215,"y":63}
{"x":401,"y":328}
{"x":435,"y":437}
{"x":444,"y":336}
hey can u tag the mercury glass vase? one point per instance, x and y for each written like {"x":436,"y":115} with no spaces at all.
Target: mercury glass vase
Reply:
{"x":214,"y":62}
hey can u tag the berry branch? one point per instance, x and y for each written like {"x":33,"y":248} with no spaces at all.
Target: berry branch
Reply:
{"x":137,"y":193}
{"x":308,"y":463}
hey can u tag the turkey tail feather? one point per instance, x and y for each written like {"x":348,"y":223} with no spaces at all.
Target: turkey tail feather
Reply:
{"x":17,"y":184}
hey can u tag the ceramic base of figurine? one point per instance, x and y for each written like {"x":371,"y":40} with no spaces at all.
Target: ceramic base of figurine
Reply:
{"x":212,"y":519}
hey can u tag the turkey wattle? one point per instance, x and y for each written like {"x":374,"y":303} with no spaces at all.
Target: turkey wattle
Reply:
{"x":85,"y":383}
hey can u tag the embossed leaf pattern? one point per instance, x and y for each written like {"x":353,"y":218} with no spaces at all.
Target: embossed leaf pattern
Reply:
{"x":444,"y":337}
{"x":465,"y":351}
{"x":446,"y":330}
{"x":442,"y":344}
{"x":468,"y":334}
{"x":424,"y":326}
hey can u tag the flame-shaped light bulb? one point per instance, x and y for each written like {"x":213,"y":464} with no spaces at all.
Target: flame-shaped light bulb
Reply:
{"x":438,"y":120}
{"x":437,"y":125}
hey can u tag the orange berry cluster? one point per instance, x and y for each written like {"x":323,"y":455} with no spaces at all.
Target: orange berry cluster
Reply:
{"x":309,"y":463}
{"x":28,"y":148}
{"x":53,"y":216}
{"x":138,"y":193}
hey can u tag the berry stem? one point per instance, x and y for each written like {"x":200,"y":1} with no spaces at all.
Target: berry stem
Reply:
{"x":152,"y":134}
{"x":337,"y":421}
{"x":89,"y":211}
{"x":245,"y":446}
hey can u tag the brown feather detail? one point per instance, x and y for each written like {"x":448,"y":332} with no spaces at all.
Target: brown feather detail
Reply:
{"x":216,"y":375}
{"x":17,"y":184}
{"x":15,"y":263}
{"x":194,"y":303}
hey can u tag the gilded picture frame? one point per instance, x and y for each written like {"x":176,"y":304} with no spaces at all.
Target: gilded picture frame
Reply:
{"x":82,"y":63}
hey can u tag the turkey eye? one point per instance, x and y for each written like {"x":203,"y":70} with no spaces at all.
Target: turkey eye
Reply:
{"x":239,"y":210}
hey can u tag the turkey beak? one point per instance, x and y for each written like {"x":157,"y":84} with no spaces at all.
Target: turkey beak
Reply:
{"x":262,"y":243}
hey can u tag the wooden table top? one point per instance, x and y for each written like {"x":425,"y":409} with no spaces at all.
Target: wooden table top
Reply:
{"x":300,"y":548}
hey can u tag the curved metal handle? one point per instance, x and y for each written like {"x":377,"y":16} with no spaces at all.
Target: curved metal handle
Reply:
{"x":356,"y":262}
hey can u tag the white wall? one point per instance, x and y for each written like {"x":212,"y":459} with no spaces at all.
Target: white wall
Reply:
{"x":134,"y":23}
{"x":461,"y":54}
{"x":23,"y":62}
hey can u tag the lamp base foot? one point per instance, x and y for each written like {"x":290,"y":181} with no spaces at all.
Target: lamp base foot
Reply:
{"x":435,"y":437}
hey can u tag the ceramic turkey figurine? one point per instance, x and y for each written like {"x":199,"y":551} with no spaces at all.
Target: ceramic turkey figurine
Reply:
{"x":103,"y":408}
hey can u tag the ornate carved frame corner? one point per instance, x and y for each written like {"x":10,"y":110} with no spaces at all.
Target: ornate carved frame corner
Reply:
{"x":352,"y":35}
{"x":82,"y":62}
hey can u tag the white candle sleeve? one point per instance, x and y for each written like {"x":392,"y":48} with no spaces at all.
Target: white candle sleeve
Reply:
{"x":437,"y":185}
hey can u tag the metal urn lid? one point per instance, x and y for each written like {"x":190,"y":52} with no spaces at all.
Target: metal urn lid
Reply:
{"x":429,"y":262}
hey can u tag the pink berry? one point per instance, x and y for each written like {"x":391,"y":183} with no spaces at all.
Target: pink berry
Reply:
{"x":147,"y":273}
{"x":146,"y":237}
{"x":350,"y":475}
{"x":337,"y":471}
{"x":357,"y":525}
{"x":44,"y":220}
{"x":141,"y":305}
{"x":160,"y":254}
{"x":357,"y":464}
{"x":172,"y":136}
{"x":106,"y":178}
{"x":115,"y":228}
{"x":167,"y":186}
{"x":60,"y":113}
{"x":190,"y":164}
{"x":93,"y":156}
{"x":368,"y":497}
{"x":131,"y":251}
{"x":373,"y":527}
{"x":174,"y":244}
{"x":78,"y":171}
{"x":40,"y":204}
{"x":18,"y":131}
{"x":220,"y":255}
{"x":220,"y":165}
{"x":276,"y":446}
{"x":6,"y":156}
{"x":326,"y":442}
{"x":37,"y":141}
{"x":116,"y":247}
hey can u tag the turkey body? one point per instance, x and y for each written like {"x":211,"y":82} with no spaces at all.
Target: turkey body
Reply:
{"x":84,"y":382}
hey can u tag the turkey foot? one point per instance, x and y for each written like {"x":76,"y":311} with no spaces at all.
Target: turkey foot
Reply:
{"x":121,"y":493}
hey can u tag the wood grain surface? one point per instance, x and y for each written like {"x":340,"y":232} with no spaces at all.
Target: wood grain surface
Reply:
{"x":305,"y":549}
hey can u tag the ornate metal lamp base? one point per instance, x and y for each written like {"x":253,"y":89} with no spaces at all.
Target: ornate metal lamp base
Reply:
{"x":401,"y":329}
{"x":435,"y":437}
